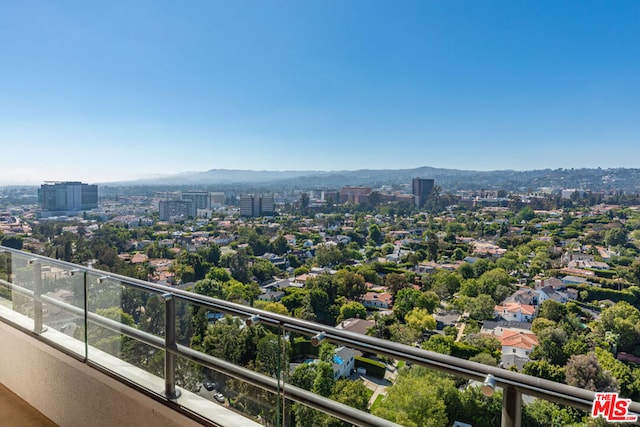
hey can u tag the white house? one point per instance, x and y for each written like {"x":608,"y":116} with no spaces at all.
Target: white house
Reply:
{"x":550,"y":293}
{"x":516,"y":347}
{"x":377,"y":300}
{"x":514,"y":311}
{"x":343,"y":362}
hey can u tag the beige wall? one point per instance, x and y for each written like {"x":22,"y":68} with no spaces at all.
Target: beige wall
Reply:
{"x":71,"y":393}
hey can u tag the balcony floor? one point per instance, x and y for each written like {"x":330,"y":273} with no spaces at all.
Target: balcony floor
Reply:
{"x":15,"y":412}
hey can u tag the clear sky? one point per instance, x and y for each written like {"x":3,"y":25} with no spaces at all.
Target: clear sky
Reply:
{"x":114,"y":90}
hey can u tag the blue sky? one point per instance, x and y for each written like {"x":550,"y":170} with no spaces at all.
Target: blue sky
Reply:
{"x":116,"y":90}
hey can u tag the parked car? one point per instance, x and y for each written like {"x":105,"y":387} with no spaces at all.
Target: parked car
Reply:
{"x":219,"y":397}
{"x":209,"y":385}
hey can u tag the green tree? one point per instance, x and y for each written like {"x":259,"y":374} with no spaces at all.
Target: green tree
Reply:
{"x":304,"y":203}
{"x":616,"y":237}
{"x":218,"y":274}
{"x":316,"y":307}
{"x":433,"y":246}
{"x":466,"y":271}
{"x":481,"y":410}
{"x":270,"y":354}
{"x":406,"y":299}
{"x":445,"y":283}
{"x":210,"y":288}
{"x":418,"y":398}
{"x":420,"y":320}
{"x":542,"y":413}
{"x":375,"y":235}
{"x":226,"y":340}
{"x":323,"y":382}
{"x":211,"y":254}
{"x":304,"y":377}
{"x":275,"y":307}
{"x":239,"y":266}
{"x":429,"y":300}
{"x":544,"y":369}
{"x":352,"y":310}
{"x":352,"y":393}
{"x":395,"y":281}
{"x":280,"y":246}
{"x":439,"y":343}
{"x":469,"y":288}
{"x":622,"y":320}
{"x":550,"y":346}
{"x":584,"y":371}
{"x":481,"y":266}
{"x":350,"y":285}
{"x":481,"y":307}
{"x":328,"y":256}
{"x":552,"y":310}
{"x":526,"y":214}
{"x":263,"y":270}
{"x":626,"y":377}
{"x":491,"y":280}
{"x":541,"y":323}
{"x":484,"y":358}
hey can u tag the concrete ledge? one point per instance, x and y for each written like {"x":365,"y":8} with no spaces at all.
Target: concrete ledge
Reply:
{"x":71,"y":393}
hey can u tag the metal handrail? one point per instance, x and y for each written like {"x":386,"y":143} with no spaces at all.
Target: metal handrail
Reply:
{"x":293,"y":393}
{"x":508,"y":380}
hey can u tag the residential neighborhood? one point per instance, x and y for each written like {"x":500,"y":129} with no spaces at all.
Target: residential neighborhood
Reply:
{"x":542,"y":285}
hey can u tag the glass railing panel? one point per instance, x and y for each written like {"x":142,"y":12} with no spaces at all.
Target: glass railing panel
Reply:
{"x":256,"y":347}
{"x":127,"y":324}
{"x":21,"y":272}
{"x":249,"y":401}
{"x":5,"y":279}
{"x":62,"y":293}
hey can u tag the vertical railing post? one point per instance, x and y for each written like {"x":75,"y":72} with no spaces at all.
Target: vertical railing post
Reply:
{"x":85,"y":290}
{"x":511,"y":407}
{"x":37,"y":292}
{"x":170,"y":343}
{"x":282,"y":367}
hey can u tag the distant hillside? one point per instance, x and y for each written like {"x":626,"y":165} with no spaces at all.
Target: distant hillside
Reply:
{"x":449,"y":179}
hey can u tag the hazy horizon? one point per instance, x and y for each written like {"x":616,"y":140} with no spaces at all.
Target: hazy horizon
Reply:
{"x":120,"y":91}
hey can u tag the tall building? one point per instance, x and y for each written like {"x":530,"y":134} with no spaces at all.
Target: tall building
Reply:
{"x":257,"y":205}
{"x":67,"y":198}
{"x":217,"y":200}
{"x":199,"y":199}
{"x":175,"y":209}
{"x":421,"y":189}
{"x":267,"y":205}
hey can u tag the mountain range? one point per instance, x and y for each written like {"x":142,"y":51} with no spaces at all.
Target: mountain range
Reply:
{"x":619,"y":179}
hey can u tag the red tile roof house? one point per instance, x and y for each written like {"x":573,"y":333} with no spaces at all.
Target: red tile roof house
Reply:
{"x":516,"y":347}
{"x":377,"y":300}
{"x":515,"y":311}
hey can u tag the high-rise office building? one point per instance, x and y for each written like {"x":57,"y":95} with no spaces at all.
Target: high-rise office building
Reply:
{"x":421,"y":189}
{"x":199,"y":199}
{"x":67,"y":198}
{"x":217,"y":200}
{"x":175,"y":209}
{"x":267,"y":205}
{"x":257,"y":205}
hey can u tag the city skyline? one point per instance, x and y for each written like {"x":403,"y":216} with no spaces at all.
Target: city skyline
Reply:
{"x":121,"y":91}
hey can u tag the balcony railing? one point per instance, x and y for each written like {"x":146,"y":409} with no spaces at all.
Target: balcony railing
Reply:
{"x":95,"y":316}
